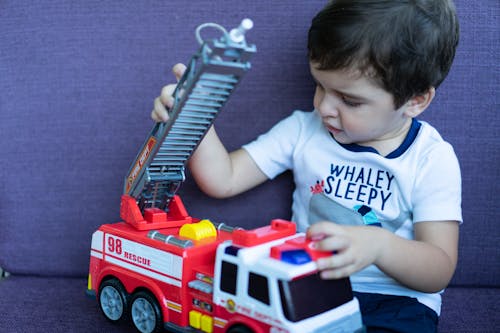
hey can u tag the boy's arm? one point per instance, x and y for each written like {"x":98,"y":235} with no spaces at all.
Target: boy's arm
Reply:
{"x":221,"y":174}
{"x":425,"y":264}
{"x":218,"y":173}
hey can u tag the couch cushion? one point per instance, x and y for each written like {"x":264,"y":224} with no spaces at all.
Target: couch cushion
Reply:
{"x":468,"y":309}
{"x":31,"y":304}
{"x":77,"y":80}
{"x":37,"y":304}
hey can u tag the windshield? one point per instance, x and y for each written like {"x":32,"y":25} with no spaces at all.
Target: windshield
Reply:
{"x":310,"y":295}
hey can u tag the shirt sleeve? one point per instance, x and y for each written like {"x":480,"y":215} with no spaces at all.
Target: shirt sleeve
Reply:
{"x":438,"y":187}
{"x":273,"y":151}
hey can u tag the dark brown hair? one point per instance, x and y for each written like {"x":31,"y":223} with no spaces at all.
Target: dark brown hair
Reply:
{"x":406,"y":46}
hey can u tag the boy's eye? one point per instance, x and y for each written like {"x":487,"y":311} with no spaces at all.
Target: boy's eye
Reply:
{"x":346,"y":100}
{"x":350,"y":102}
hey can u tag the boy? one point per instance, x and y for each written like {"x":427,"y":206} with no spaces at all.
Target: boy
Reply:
{"x":373,"y":184}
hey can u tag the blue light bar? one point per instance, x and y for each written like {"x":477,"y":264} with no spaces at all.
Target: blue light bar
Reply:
{"x":295,"y":257}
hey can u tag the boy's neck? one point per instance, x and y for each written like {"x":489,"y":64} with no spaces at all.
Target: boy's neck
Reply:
{"x":388,"y":147}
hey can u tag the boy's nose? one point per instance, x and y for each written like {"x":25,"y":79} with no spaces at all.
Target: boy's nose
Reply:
{"x":328,"y":106}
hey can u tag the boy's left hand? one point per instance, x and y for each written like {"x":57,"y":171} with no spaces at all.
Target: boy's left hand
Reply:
{"x":355,"y":247}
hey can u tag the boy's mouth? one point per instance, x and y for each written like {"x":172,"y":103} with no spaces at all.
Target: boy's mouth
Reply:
{"x":332,"y":129}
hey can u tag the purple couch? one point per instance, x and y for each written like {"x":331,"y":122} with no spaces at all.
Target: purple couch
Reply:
{"x":77,"y":81}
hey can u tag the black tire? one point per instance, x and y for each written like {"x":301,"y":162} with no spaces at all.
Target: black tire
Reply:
{"x":113,"y":300}
{"x":240,"y":329}
{"x":145,"y":313}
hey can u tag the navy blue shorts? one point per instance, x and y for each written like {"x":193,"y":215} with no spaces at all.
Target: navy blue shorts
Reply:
{"x":388,"y":313}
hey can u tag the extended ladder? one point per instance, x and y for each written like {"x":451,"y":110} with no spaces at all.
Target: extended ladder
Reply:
{"x":212,"y":75}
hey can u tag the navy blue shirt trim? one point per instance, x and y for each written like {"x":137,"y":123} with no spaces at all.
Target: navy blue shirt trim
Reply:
{"x":410,"y":137}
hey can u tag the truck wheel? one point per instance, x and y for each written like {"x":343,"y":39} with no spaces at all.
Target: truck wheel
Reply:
{"x":113,"y":300}
{"x":240,"y":329}
{"x":145,"y":313}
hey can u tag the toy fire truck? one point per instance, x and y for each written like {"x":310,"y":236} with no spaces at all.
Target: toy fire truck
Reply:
{"x":165,"y":270}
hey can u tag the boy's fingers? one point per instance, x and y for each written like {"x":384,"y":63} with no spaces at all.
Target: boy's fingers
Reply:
{"x":159,"y":112}
{"x":166,"y":95}
{"x":335,"y":261}
{"x":332,"y":243}
{"x":165,"y":100}
{"x":327,"y":236}
{"x":337,"y":273}
{"x":322,"y":229}
{"x":155,"y":116}
{"x":158,"y":117}
{"x":179,"y":70}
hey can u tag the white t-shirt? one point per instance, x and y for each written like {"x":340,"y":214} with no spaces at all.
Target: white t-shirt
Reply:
{"x":350,"y":184}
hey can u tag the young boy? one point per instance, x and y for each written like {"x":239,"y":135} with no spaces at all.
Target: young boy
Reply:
{"x":373,"y":184}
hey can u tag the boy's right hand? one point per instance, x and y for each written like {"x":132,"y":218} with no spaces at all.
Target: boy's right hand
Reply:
{"x":166,"y":100}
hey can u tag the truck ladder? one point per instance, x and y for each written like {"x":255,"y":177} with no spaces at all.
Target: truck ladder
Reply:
{"x":212,"y":74}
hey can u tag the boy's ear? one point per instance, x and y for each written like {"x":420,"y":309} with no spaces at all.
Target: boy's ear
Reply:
{"x":417,"y":104}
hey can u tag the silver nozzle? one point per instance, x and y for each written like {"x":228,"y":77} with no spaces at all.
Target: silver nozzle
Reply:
{"x":237,"y":35}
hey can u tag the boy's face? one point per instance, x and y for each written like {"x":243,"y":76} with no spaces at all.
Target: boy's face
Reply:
{"x":355,"y":110}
